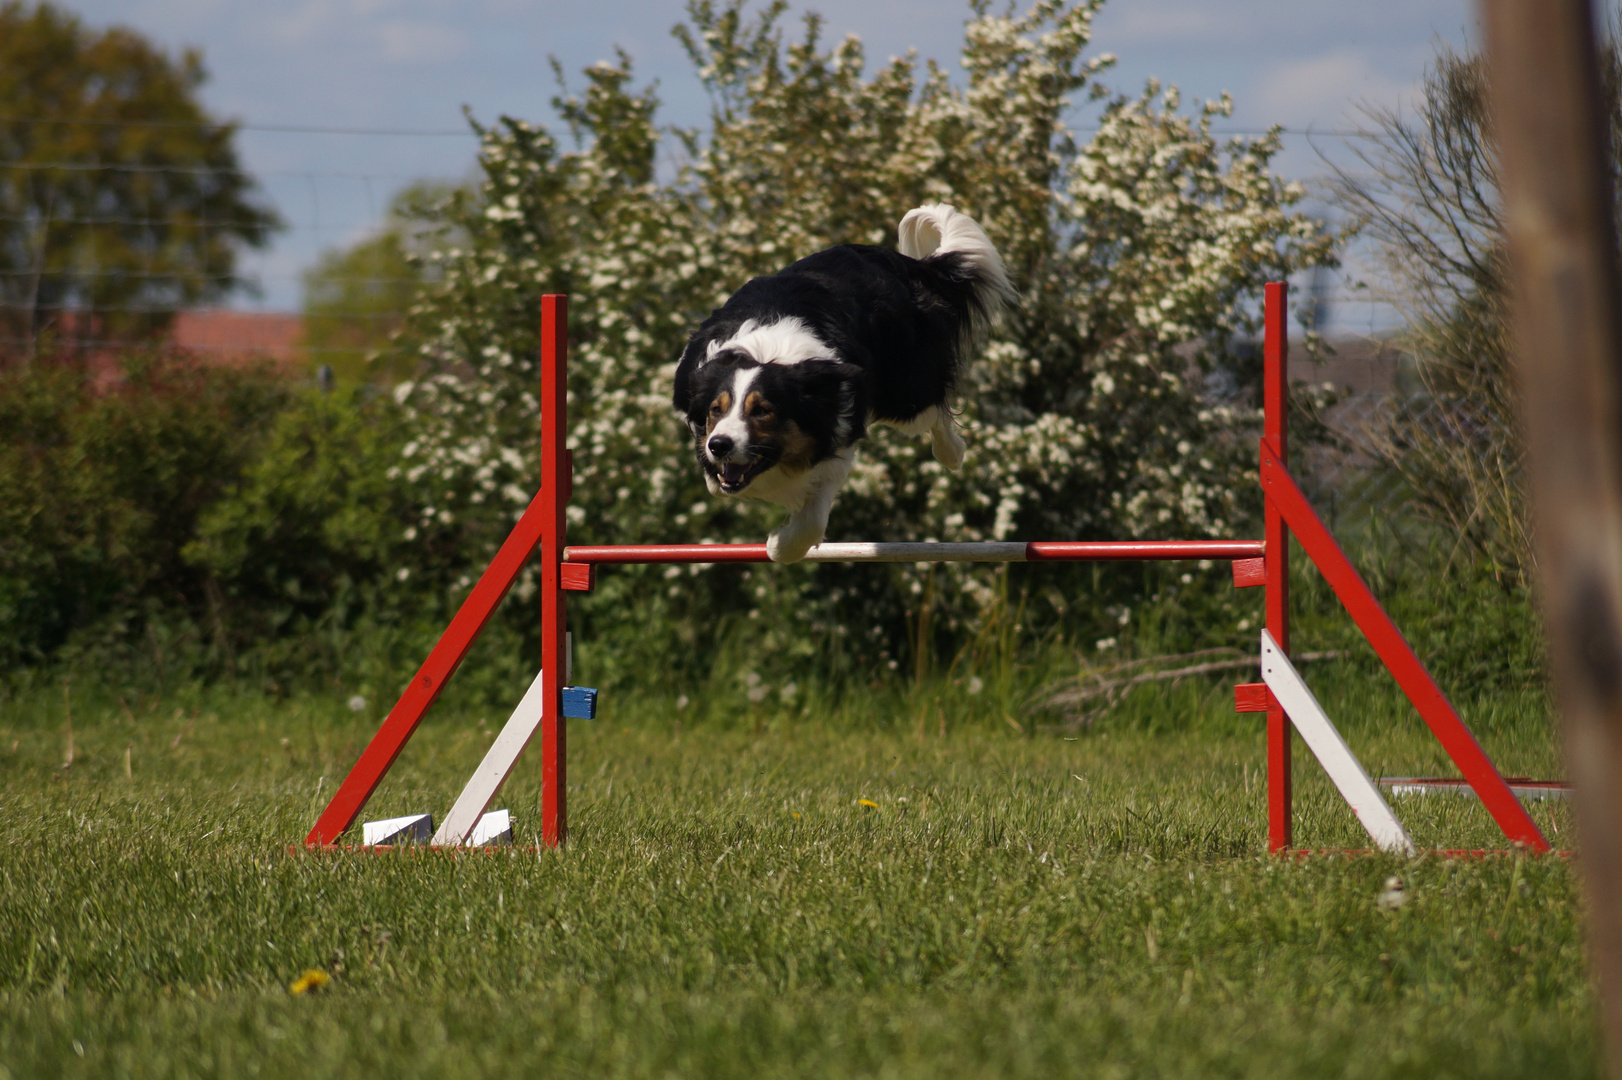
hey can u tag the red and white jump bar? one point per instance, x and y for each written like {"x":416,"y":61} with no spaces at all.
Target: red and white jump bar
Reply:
{"x":930,"y":551}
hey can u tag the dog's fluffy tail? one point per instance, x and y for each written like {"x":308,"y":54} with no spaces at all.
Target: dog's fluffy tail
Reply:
{"x":936,"y":229}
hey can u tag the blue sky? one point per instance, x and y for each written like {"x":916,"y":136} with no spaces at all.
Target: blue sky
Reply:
{"x":413,"y":64}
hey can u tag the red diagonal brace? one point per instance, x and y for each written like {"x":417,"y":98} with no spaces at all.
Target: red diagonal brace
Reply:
{"x":425,"y":686}
{"x":1397,"y":656}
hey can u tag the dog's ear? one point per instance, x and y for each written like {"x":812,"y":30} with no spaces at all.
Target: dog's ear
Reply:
{"x":694,"y":389}
{"x":821,"y":383}
{"x":686,"y":368}
{"x":835,"y":389}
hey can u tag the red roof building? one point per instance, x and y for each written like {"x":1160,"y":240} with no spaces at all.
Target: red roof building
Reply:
{"x":234,"y":337}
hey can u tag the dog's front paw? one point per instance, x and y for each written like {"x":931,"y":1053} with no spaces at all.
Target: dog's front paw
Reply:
{"x":789,"y":545}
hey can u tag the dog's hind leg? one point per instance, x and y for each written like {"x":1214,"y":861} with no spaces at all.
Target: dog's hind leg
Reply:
{"x":936,"y":421}
{"x":945,"y":440}
{"x":805,"y":526}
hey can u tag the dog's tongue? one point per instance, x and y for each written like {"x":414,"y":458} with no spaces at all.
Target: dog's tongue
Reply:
{"x":732,"y":474}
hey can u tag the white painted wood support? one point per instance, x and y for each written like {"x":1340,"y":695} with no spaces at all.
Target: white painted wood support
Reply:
{"x":413,"y":828}
{"x":1331,"y":750}
{"x":494,"y":769}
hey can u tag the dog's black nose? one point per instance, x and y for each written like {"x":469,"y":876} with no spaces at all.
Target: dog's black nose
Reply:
{"x":720,"y":445}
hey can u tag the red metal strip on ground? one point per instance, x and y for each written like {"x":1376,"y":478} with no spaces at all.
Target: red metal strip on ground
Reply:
{"x":1442,"y":853}
{"x":430,"y":679}
{"x":1036,"y":551}
{"x":1275,"y":429}
{"x":1397,"y":656}
{"x":409,"y":850}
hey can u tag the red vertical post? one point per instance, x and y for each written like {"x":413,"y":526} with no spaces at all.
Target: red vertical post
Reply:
{"x":1276,"y":536}
{"x":555,"y":482}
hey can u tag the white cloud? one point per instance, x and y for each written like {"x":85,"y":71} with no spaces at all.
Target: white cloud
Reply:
{"x":301,"y":25}
{"x":1142,"y":24}
{"x":409,"y":42}
{"x":414,"y":63}
{"x":1322,"y":92}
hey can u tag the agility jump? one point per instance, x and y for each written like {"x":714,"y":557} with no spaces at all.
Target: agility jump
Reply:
{"x":1282,"y":695}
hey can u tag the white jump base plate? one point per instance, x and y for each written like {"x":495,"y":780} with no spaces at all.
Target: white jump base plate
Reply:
{"x":495,"y":827}
{"x":1533,"y":790}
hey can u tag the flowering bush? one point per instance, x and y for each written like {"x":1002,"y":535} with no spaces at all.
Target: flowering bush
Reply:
{"x":1140,"y":253}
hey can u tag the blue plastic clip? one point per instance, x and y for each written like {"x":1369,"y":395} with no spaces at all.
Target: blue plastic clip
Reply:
{"x":579,"y":703}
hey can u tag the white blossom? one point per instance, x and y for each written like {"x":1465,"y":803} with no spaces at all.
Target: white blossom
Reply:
{"x":1140,"y":252}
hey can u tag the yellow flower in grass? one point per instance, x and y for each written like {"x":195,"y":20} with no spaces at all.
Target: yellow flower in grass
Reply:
{"x":313,"y":979}
{"x":867,"y":803}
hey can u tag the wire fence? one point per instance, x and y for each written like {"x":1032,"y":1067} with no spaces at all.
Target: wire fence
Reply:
{"x":118,"y":252}
{"x":320,"y":211}
{"x":269,"y":295}
{"x":137,"y":240}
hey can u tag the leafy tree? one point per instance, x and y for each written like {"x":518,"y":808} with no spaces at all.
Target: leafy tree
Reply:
{"x":100,"y":490}
{"x":1140,"y":253}
{"x":121,"y":199}
{"x":356,"y":298}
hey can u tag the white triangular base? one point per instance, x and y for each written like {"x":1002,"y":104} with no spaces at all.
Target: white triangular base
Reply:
{"x":496,"y":827}
{"x":398,"y":830}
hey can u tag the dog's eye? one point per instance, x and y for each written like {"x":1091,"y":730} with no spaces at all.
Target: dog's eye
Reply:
{"x":715,"y":408}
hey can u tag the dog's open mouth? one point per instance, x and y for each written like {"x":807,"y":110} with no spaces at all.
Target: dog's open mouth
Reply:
{"x":734,"y":477}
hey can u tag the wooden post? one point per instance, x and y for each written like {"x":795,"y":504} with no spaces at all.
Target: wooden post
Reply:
{"x":1544,"y":83}
{"x":555,"y":483}
{"x":1276,"y":537}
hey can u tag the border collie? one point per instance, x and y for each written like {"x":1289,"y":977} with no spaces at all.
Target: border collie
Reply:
{"x":780,"y":383}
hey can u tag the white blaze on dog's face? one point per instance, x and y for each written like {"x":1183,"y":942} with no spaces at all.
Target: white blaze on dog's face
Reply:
{"x":729,"y":443}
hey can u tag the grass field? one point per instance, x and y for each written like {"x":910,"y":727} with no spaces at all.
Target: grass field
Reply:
{"x":1010,"y":906}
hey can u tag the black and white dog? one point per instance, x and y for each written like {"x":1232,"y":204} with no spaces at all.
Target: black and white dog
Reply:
{"x":780,"y":383}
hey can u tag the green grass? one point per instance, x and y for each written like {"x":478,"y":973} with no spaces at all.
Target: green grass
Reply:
{"x":1013,"y":906}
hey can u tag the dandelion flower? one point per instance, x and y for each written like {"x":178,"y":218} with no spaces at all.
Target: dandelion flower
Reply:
{"x":868,"y":803}
{"x":313,"y":979}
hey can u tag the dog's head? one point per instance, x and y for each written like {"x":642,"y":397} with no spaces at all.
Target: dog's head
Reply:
{"x":747,"y":417}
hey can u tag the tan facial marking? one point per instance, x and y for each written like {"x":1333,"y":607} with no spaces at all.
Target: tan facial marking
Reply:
{"x":718,"y":409}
